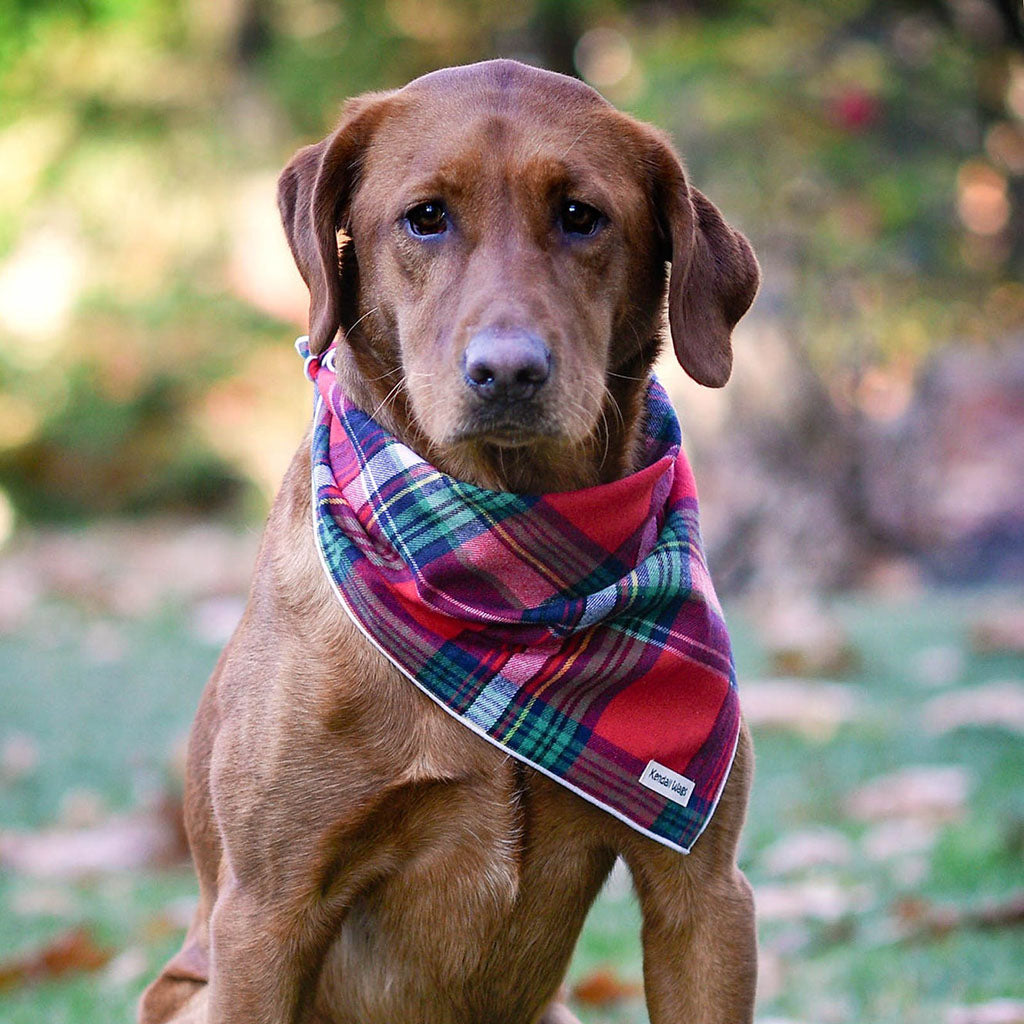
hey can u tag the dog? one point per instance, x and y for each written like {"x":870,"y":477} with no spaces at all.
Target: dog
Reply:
{"x":488,"y":245}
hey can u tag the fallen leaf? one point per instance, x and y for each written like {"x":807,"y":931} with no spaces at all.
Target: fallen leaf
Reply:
{"x":921,"y":918}
{"x":812,"y":848}
{"x":910,"y":873}
{"x":174,"y":918}
{"x":998,"y":705}
{"x":19,"y":756}
{"x":81,"y":808}
{"x":20,"y":591}
{"x":813,"y":708}
{"x":1000,"y":632}
{"x":899,"y":837}
{"x":44,"y":901}
{"x":153,"y":837}
{"x":126,"y":968}
{"x":929,"y":793}
{"x":124,"y":569}
{"x":215,"y":618}
{"x":68,"y":953}
{"x":104,"y":643}
{"x":892,"y":576}
{"x":821,"y":899}
{"x":802,"y":639}
{"x":603,"y":987}
{"x":998,"y":1011}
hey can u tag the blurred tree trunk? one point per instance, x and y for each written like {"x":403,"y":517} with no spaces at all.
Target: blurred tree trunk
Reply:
{"x":553,"y":32}
{"x":253,"y":34}
{"x":1012,"y":13}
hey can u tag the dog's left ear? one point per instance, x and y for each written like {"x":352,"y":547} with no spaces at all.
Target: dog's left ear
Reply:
{"x":714,"y":274}
{"x":313,"y":194}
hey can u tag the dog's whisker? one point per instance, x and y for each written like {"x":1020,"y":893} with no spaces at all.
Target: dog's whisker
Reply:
{"x":386,"y":373}
{"x":574,"y":141}
{"x":393,"y":393}
{"x":369,"y":312}
{"x":607,"y":439}
{"x":615,"y":406}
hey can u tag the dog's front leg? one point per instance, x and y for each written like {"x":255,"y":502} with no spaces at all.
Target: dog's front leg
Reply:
{"x":302,"y":839}
{"x":269,"y":934}
{"x":266,"y":950}
{"x":260,"y":964}
{"x":265,"y":963}
{"x":699,"y":933}
{"x":700,"y":950}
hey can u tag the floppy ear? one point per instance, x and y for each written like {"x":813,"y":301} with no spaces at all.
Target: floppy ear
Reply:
{"x":714,"y":274}
{"x":313,"y":194}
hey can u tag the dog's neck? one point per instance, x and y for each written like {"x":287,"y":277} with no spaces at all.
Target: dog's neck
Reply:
{"x":609,"y":453}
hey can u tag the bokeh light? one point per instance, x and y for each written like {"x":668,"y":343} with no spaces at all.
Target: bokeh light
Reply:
{"x":982,"y":198}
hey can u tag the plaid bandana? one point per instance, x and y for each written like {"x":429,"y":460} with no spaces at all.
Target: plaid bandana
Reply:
{"x":578,"y":631}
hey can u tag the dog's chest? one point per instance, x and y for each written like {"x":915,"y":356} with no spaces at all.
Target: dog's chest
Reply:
{"x":421,"y":933}
{"x":485,"y":897}
{"x":490,"y":866}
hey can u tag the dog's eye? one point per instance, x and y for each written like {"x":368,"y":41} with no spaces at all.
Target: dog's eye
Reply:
{"x":578,"y":218}
{"x":427,"y":219}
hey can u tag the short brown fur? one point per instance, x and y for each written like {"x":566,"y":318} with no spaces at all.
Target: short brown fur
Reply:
{"x":362,"y":857}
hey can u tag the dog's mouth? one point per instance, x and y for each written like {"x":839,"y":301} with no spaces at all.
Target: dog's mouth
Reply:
{"x":511,"y":427}
{"x":528,"y":444}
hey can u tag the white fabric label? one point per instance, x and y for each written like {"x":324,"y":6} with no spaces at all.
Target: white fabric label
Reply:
{"x":677,"y":788}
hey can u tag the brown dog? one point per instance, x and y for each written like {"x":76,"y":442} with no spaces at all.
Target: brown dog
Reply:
{"x":362,"y":856}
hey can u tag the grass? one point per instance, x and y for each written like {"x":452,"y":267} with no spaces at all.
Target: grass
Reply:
{"x":107,"y":702}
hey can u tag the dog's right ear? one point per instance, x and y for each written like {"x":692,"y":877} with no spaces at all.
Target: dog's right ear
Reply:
{"x":313,"y":195}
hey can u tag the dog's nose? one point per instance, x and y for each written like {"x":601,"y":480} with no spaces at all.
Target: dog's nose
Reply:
{"x":506,"y":365}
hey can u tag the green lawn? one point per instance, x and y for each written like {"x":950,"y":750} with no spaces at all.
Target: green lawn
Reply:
{"x":106,"y":703}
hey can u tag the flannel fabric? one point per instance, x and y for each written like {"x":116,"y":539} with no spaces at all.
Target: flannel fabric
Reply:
{"x":578,"y":631}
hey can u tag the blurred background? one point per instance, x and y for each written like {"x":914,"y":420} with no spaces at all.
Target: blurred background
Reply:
{"x":862,"y":476}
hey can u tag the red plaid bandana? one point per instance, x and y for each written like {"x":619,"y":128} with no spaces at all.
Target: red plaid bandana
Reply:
{"x":579,"y":631}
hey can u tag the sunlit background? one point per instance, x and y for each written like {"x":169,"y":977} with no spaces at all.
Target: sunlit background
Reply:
{"x":861,"y":476}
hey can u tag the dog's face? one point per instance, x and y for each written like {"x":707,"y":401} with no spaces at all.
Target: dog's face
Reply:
{"x":504,"y":234}
{"x":510,"y":248}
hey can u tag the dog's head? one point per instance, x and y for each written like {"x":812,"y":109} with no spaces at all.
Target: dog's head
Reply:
{"x":491,"y":242}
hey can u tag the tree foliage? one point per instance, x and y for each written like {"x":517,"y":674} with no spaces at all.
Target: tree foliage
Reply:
{"x":873,"y":150}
